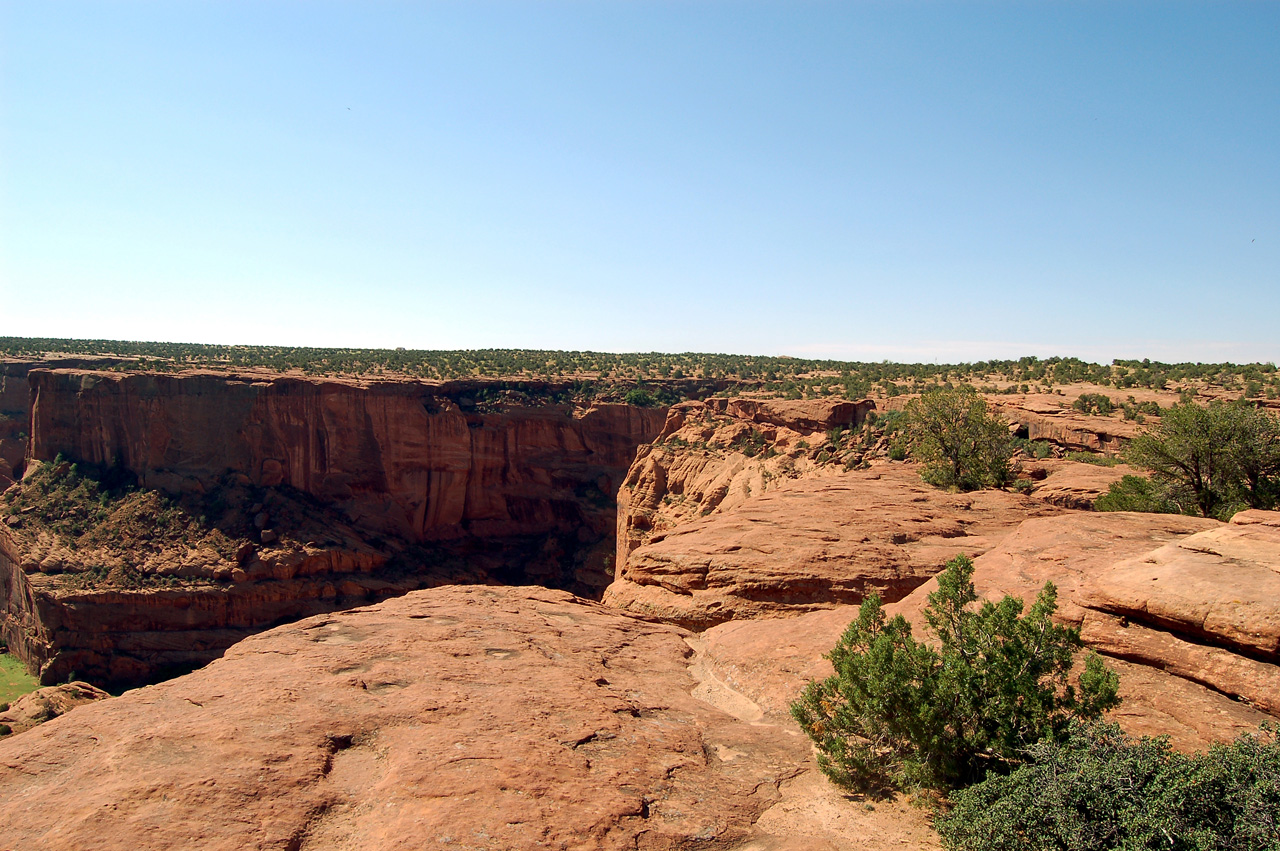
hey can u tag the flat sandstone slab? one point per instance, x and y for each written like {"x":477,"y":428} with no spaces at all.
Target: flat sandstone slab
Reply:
{"x":1220,"y":586}
{"x":460,"y":717}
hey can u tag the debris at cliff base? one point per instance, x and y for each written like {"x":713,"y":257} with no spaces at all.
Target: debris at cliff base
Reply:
{"x":98,"y":530}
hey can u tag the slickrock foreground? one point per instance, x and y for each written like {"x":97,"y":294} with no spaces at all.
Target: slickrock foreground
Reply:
{"x":461,"y":717}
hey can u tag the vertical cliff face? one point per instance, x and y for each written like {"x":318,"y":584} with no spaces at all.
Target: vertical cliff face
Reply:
{"x":15,"y":400}
{"x":420,"y":461}
{"x":421,"y":484}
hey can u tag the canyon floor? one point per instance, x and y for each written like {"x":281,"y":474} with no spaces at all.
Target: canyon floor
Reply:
{"x":509,"y":715}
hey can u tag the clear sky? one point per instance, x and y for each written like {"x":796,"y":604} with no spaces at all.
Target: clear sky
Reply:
{"x":906,"y":180}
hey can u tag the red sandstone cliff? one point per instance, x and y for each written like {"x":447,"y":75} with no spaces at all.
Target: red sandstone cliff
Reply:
{"x":409,"y":458}
{"x":488,"y":479}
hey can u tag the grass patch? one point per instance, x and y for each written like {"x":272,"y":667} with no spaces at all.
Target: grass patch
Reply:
{"x":14,"y":679}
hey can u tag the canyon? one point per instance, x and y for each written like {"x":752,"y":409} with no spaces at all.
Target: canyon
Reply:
{"x":476,"y":614}
{"x":361,"y":490}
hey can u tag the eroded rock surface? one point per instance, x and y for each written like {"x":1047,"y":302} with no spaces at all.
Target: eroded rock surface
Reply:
{"x":1193,"y":683}
{"x":1053,"y":419}
{"x":1073,"y":484}
{"x":1065,"y":550}
{"x":769,"y":661}
{"x":48,"y":703}
{"x":1205,"y":607}
{"x":464,"y":717}
{"x":1096,"y":560}
{"x":827,"y":539}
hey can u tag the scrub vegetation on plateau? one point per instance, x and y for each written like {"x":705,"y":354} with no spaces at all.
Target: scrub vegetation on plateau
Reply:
{"x":611,"y":373}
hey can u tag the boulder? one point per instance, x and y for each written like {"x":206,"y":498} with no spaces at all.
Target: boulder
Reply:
{"x":48,"y":703}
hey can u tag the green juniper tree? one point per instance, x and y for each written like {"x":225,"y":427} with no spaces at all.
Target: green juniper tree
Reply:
{"x":962,"y":444}
{"x":899,"y":713}
{"x":1208,"y":459}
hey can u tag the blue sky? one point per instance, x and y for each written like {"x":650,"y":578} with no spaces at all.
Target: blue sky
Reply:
{"x":913,"y":180}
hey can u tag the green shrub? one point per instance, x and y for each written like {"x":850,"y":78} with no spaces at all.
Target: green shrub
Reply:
{"x":1039,"y":449}
{"x":640,"y":398}
{"x":1101,"y":790}
{"x":1212,"y":460}
{"x":1094,"y":403}
{"x":899,"y":714}
{"x":750,"y":443}
{"x":1093,"y":458}
{"x":1135,"y":493}
{"x":961,"y":443}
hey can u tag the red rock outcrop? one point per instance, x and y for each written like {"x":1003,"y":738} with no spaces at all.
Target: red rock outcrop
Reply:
{"x":1201,"y":627}
{"x":418,"y":460}
{"x":1072,"y":484}
{"x":1205,"y":607}
{"x":48,"y":703}
{"x":465,"y":717}
{"x":805,"y":416}
{"x":769,"y":661}
{"x":1065,"y":550}
{"x":1100,"y":560}
{"x":804,"y":544}
{"x":1053,"y":419}
{"x":713,"y":455}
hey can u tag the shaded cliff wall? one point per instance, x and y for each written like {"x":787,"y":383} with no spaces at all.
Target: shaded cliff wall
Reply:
{"x":454,"y":482}
{"x":416,"y":460}
{"x":15,"y":405}
{"x":14,"y":395}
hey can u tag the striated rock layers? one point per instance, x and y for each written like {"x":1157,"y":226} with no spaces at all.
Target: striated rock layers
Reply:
{"x":461,"y":717}
{"x":364,"y":491}
{"x":729,"y":516}
{"x":422,"y":461}
{"x":1205,"y":608}
{"x":1045,"y":418}
{"x":1189,"y":607}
